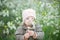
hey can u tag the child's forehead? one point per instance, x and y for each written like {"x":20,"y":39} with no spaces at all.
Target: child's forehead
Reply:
{"x":30,"y":17}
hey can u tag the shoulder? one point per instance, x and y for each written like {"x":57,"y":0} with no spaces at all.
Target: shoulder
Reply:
{"x":19,"y":30}
{"x":38,"y":27}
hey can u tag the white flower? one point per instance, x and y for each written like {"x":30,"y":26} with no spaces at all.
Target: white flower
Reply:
{"x":54,"y":33}
{"x":41,"y":25}
{"x":48,"y":24}
{"x":57,"y":31}
{"x":7,"y":31}
{"x":17,"y":18}
{"x":11,"y":26}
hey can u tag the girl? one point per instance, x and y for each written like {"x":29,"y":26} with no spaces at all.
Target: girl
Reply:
{"x":28,"y":30}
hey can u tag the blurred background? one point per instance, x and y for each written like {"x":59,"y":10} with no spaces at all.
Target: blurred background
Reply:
{"x":48,"y":16}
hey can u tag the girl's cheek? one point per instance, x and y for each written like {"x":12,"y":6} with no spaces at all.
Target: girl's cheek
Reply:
{"x":26,"y":22}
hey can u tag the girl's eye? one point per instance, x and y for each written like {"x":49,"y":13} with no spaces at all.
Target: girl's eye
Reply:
{"x":27,"y":18}
{"x":32,"y":18}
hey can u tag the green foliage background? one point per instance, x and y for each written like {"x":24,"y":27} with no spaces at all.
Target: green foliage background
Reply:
{"x":48,"y":15}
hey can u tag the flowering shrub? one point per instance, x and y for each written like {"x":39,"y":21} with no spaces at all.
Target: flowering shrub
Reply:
{"x":47,"y":15}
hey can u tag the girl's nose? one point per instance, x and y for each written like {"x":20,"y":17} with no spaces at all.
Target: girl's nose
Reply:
{"x":30,"y":20}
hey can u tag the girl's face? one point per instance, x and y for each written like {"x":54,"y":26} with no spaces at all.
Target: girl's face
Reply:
{"x":29,"y":20}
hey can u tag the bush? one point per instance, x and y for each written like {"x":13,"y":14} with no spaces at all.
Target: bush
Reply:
{"x":47,"y":15}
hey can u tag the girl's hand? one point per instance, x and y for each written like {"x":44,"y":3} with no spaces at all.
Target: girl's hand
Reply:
{"x":26,"y":35}
{"x":35,"y":35}
{"x":32,"y":33}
